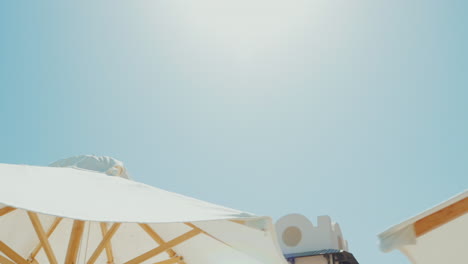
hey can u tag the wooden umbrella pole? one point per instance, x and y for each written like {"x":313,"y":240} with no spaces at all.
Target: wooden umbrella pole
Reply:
{"x":75,"y":241}
{"x":4,"y":260}
{"x":170,"y":261}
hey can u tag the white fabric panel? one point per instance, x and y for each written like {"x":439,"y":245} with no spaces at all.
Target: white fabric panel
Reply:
{"x":205,"y":249}
{"x":257,"y":243}
{"x":17,"y":232}
{"x":87,"y":195}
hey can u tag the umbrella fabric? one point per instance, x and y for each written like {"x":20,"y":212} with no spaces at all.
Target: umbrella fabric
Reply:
{"x":438,"y":235}
{"x":74,"y":215}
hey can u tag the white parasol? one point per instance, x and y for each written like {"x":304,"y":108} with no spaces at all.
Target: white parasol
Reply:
{"x":74,"y":212}
{"x":438,"y":235}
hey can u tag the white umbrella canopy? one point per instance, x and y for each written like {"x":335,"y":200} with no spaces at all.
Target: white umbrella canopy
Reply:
{"x":76,"y":213}
{"x":438,"y":235}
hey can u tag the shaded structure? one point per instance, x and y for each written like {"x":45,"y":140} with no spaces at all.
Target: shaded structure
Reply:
{"x":304,"y":243}
{"x":328,"y":256}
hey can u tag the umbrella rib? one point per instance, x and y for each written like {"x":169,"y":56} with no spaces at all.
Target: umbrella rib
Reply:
{"x":49,"y":233}
{"x":75,"y":240}
{"x":4,"y":260}
{"x":171,"y":260}
{"x":42,"y":237}
{"x":6,"y":210}
{"x":441,"y":217}
{"x":161,"y":248}
{"x":244,"y":223}
{"x":104,"y":242}
{"x":109,"y":254}
{"x":156,"y":237}
{"x":206,"y":233}
{"x":12,"y":254}
{"x":240,"y":222}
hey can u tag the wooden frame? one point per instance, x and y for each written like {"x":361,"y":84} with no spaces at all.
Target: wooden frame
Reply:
{"x":4,"y":260}
{"x":12,"y":254}
{"x":42,"y":237}
{"x":161,"y":248}
{"x":109,"y":253}
{"x":104,"y":243}
{"x":240,"y":222}
{"x":5,"y":210}
{"x":244,"y":223}
{"x":49,"y":233}
{"x":75,"y":241}
{"x":441,"y":217}
{"x":158,"y":239}
{"x":171,"y":260}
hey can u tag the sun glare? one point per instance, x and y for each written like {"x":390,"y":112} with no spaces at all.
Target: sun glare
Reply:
{"x":241,"y":26}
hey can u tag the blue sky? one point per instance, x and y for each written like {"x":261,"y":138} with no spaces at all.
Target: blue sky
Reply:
{"x":355,"y":109}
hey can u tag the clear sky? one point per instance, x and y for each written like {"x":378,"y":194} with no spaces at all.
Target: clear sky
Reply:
{"x":355,"y":109}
